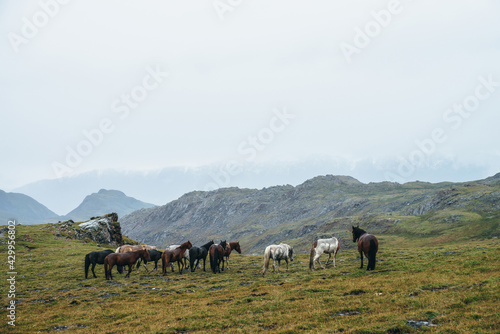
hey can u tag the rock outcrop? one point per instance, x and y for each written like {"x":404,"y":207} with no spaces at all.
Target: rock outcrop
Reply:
{"x":102,"y":230}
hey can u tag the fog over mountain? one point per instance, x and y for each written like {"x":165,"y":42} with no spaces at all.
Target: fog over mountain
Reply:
{"x":164,"y":185}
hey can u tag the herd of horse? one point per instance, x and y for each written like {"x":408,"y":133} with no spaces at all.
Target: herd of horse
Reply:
{"x":188,"y":256}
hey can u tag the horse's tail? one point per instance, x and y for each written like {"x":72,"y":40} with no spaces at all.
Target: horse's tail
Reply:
{"x":106,"y":266}
{"x":214,"y":260}
{"x":164,"y":263}
{"x":192,"y":259}
{"x":267,"y":258}
{"x":311,"y":256}
{"x":372,"y":252}
{"x":87,"y":264}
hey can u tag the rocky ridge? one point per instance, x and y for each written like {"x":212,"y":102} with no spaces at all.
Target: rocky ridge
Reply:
{"x":325,"y":204}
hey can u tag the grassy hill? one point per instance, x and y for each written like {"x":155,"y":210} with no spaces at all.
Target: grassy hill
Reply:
{"x":454,"y":285}
{"x":322,"y":205}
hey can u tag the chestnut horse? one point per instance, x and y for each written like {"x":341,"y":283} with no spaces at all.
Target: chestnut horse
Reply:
{"x":170,"y":256}
{"x":124,"y":259}
{"x":216,"y":253}
{"x":367,"y":244}
{"x":230,"y":247}
{"x":97,"y":257}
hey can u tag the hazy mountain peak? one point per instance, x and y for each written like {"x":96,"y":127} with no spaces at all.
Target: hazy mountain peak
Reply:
{"x":23,"y":208}
{"x":106,"y":201}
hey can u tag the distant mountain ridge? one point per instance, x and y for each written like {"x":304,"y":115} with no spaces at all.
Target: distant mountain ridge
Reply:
{"x":24,"y":209}
{"x":106,"y":201}
{"x":322,"y":205}
{"x":27,"y":210}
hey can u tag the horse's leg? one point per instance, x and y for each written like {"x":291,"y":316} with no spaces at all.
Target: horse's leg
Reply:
{"x":361,"y":254}
{"x":110,"y":271}
{"x":279,"y":265}
{"x":93,"y":266}
{"x":129,"y":270}
{"x":329,"y":257}
{"x":179,"y":263}
{"x":316,"y":259}
{"x":286,"y":260}
{"x":335,"y":259}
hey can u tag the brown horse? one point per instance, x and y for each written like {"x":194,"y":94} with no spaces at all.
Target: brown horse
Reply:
{"x":123,"y":259}
{"x":367,"y":244}
{"x":216,"y":253}
{"x":230,"y":247}
{"x":170,"y":256}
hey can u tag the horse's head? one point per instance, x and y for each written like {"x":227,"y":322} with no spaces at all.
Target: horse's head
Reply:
{"x":189,"y":244}
{"x":290,"y":253}
{"x":356,"y":233}
{"x":223,"y":244}
{"x":146,"y":255}
{"x":237,"y":247}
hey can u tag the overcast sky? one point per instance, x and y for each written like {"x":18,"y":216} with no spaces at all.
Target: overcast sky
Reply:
{"x":406,"y":87}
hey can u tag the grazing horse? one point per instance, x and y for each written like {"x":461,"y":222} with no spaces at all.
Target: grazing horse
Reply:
{"x":321,"y":246}
{"x":367,"y":244}
{"x":155,"y":256}
{"x":198,"y":253}
{"x":277,"y":253}
{"x":170,"y":256}
{"x":133,"y":248}
{"x":124,"y":259}
{"x":97,"y":257}
{"x":229,"y":247}
{"x":216,"y":253}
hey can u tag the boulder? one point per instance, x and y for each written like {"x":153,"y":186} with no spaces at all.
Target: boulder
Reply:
{"x":102,"y":230}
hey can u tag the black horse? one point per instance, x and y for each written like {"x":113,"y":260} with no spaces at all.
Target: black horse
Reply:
{"x":97,"y":258}
{"x":198,"y":253}
{"x":155,"y":256}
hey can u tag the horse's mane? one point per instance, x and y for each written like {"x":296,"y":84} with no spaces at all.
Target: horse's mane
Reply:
{"x":208,"y":244}
{"x":358,"y":231}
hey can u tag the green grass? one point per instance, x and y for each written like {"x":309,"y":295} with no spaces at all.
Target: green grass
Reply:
{"x":455,"y":285}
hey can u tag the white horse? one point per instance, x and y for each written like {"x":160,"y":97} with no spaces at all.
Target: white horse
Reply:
{"x":321,"y":246}
{"x":277,"y":253}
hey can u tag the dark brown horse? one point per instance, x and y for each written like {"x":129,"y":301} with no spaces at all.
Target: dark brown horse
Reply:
{"x":124,"y":259}
{"x":230,"y":247}
{"x":367,"y":244}
{"x":216,"y":253}
{"x":170,"y":256}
